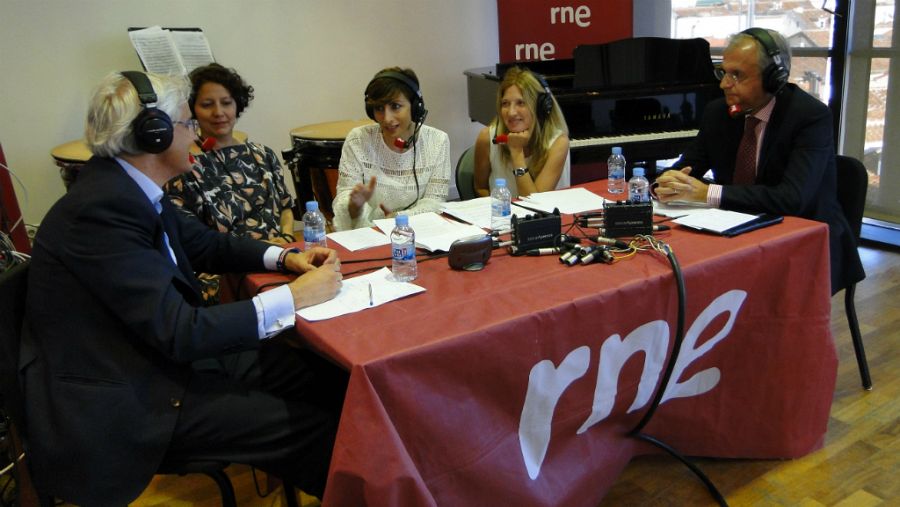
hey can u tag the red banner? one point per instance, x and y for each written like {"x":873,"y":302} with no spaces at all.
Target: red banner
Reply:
{"x":549,"y":30}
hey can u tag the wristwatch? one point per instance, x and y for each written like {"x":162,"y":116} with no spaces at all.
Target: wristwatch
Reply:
{"x":520,"y":171}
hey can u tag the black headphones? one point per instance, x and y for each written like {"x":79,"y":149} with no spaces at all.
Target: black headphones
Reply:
{"x":775,"y":75}
{"x":544,"y":104}
{"x":153,"y":129}
{"x":418,"y":103}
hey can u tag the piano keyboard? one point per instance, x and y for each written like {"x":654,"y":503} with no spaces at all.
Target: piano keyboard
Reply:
{"x":635,"y":138}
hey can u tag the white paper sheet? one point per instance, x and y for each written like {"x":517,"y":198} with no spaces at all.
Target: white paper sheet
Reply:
{"x":354,"y":295}
{"x":359,"y":239}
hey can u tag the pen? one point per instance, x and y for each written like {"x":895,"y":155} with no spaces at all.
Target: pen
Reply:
{"x":371,"y":301}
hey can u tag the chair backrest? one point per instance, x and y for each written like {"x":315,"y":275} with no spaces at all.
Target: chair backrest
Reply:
{"x":13,"y":285}
{"x":465,"y":174}
{"x":852,"y":185}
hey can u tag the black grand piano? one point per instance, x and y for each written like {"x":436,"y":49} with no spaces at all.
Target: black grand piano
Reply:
{"x":645,"y":94}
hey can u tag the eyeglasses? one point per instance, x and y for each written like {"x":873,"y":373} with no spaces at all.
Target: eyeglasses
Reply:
{"x":733,"y":78}
{"x":191,"y":124}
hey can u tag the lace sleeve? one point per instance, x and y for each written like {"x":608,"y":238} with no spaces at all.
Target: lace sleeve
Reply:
{"x":350,"y":172}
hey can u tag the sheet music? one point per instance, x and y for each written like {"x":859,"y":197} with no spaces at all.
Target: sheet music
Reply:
{"x":193,"y":48}
{"x":174,"y":52}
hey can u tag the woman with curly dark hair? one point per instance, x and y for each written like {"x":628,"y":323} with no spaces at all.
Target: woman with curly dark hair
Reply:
{"x":233,"y":186}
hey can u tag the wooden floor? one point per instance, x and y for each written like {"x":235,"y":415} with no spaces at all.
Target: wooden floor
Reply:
{"x":859,"y":465}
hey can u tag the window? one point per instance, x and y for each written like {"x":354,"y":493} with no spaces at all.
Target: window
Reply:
{"x":871,"y":105}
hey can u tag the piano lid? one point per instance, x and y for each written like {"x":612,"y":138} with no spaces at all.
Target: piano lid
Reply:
{"x":643,"y":62}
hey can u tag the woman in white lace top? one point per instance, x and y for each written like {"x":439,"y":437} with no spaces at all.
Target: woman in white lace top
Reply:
{"x":396,"y":165}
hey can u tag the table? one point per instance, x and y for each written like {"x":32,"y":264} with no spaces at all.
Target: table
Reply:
{"x":517,"y":385}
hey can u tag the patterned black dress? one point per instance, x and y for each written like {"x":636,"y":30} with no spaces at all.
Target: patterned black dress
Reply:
{"x":238,"y":189}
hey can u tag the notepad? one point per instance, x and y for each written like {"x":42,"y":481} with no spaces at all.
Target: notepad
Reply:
{"x":724,"y":222}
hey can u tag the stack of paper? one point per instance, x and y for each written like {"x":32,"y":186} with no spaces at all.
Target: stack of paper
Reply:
{"x":715,"y":220}
{"x":433,"y":232}
{"x":569,"y":201}
{"x":478,"y":211}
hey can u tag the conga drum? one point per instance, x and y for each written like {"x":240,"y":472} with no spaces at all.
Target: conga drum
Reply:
{"x":314,"y":162}
{"x":69,"y":157}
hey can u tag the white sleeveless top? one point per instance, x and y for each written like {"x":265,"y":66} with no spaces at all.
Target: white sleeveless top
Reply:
{"x":499,"y":169}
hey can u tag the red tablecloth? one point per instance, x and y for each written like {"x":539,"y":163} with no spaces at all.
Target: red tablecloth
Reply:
{"x":517,"y":385}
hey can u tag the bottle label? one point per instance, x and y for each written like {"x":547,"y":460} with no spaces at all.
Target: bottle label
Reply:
{"x":404,"y":252}
{"x":312,"y":235}
{"x":500,"y":208}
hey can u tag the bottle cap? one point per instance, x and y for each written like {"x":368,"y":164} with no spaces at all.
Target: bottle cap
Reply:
{"x":500,"y":182}
{"x":312,"y":206}
{"x":401,"y":220}
{"x":638,"y":171}
{"x":617,"y":150}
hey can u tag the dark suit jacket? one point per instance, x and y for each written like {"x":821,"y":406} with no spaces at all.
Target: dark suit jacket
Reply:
{"x":795,"y":175}
{"x":114,"y":326}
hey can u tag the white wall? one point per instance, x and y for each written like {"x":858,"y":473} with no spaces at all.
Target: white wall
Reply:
{"x":309,"y":62}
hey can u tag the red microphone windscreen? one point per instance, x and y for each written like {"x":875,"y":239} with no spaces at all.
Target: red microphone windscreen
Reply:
{"x":501,"y":139}
{"x":735,"y":110}
{"x":400,"y":143}
{"x":191,"y":159}
{"x":208,"y":144}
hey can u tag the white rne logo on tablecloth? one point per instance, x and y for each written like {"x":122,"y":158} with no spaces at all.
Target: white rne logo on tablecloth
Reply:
{"x":546,"y":382}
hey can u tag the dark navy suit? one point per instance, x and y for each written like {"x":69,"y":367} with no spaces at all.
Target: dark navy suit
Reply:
{"x":116,"y":330}
{"x":795,"y":174}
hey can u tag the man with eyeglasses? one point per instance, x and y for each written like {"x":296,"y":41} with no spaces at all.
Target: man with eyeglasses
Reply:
{"x":123,"y":367}
{"x":769,"y":146}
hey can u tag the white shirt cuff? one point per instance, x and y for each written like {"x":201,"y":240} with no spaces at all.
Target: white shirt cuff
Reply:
{"x":274,"y":311}
{"x":270,"y":257}
{"x":714,"y":196}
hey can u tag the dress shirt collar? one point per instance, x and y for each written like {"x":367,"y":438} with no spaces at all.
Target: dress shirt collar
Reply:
{"x":765,"y":113}
{"x":150,"y":189}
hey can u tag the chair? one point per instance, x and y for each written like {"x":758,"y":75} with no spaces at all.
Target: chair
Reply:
{"x":852,"y":184}
{"x":13,"y":286}
{"x":465,"y":175}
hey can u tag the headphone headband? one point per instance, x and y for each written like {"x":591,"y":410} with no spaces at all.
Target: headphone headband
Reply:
{"x":775,"y":75}
{"x":418,"y":102}
{"x":142,"y":84}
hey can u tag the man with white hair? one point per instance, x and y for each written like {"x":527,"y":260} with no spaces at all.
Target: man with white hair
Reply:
{"x":123,"y":367}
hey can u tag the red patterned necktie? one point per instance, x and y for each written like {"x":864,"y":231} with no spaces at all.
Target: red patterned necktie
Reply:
{"x":745,"y":163}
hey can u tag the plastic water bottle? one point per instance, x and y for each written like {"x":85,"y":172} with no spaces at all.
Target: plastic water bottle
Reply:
{"x":638,"y":186}
{"x":403,"y":250}
{"x":313,"y":226}
{"x":615,"y":182}
{"x":500,"y":205}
